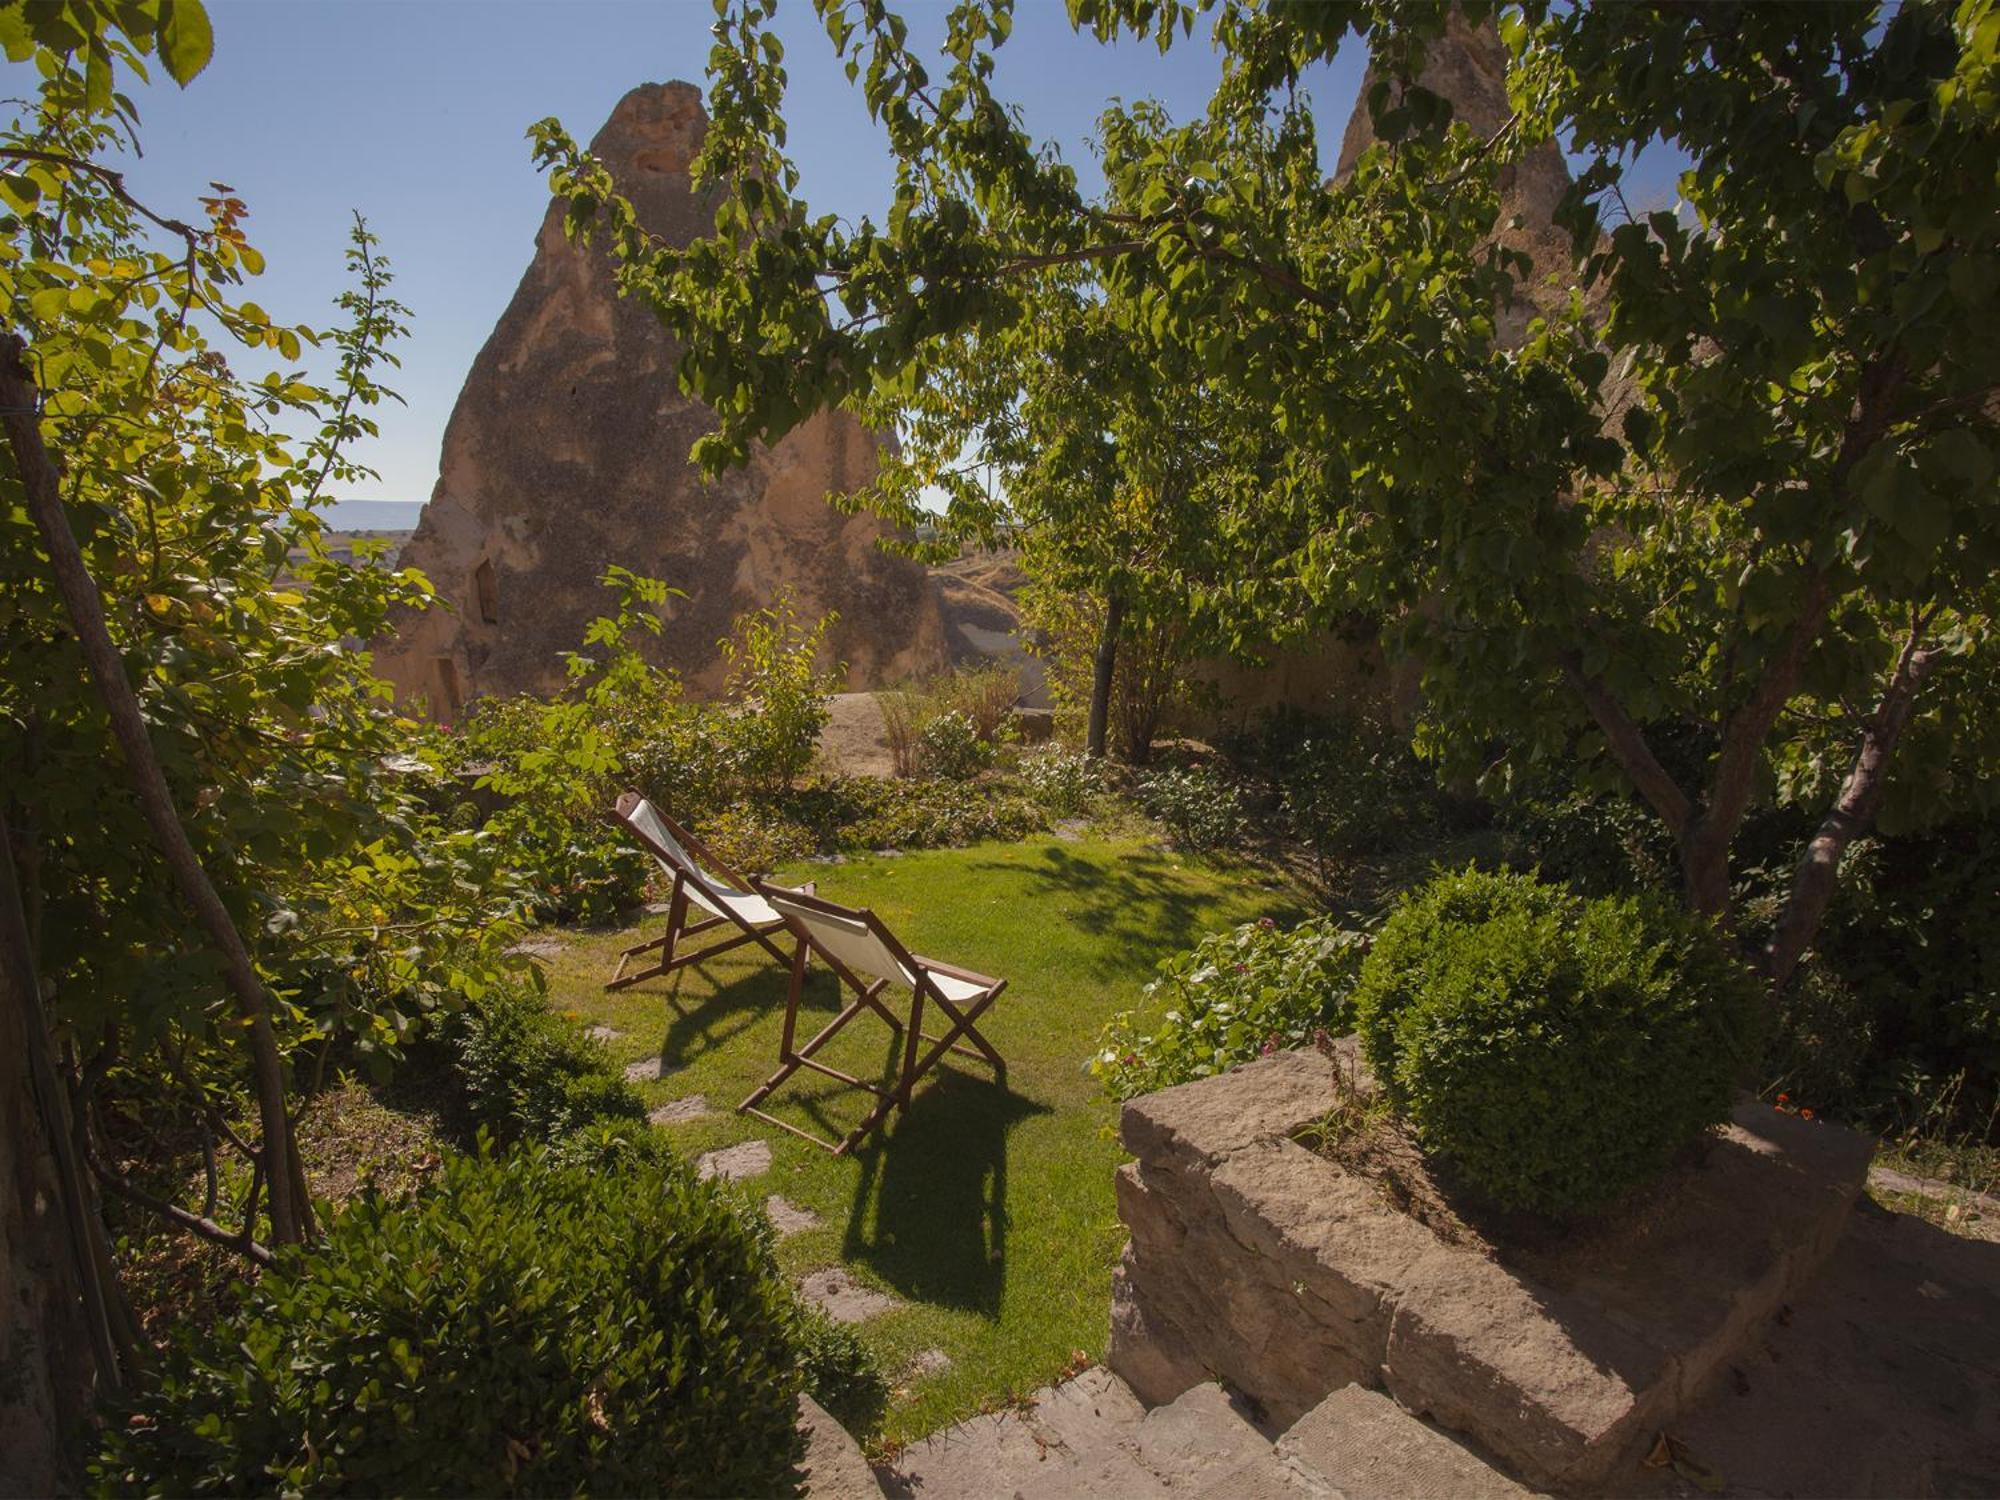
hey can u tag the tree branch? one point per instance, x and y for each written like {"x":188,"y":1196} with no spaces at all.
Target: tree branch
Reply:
{"x":244,"y":1243}
{"x":1853,"y":810}
{"x":1628,"y":746}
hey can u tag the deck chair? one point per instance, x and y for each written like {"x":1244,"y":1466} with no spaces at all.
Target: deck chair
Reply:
{"x":854,"y":943}
{"x":727,"y":899}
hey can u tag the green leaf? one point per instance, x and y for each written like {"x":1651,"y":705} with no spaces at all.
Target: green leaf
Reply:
{"x":186,"y":39}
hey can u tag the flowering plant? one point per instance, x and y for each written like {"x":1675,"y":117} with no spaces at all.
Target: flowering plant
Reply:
{"x":1233,"y":997}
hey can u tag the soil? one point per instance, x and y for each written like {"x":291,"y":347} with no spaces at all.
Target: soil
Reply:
{"x":1374,"y":1144}
{"x":855,"y":741}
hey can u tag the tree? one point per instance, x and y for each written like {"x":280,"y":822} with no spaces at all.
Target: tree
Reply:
{"x":1062,"y":434}
{"x":1782,"y":569}
{"x":220,"y":880}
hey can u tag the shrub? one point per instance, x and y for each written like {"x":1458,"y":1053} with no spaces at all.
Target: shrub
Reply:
{"x":882,"y":814}
{"x":1062,"y":782}
{"x":574,"y":868}
{"x":520,"y":1328}
{"x":902,"y":717}
{"x":838,"y":1371}
{"x":525,"y":1073}
{"x":1233,"y":997}
{"x":950,"y":749}
{"x":1349,"y":783}
{"x":779,"y":694}
{"x":985,"y":695}
{"x":1601,"y":845}
{"x":1200,"y":808}
{"x":1559,"y":1051}
{"x":757,"y":839}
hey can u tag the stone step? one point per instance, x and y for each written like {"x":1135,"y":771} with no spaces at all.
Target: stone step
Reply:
{"x":1091,"y":1439}
{"x":1086,"y":1439}
{"x":1198,"y":1438}
{"x":834,"y":1466}
{"x":1361,"y":1445}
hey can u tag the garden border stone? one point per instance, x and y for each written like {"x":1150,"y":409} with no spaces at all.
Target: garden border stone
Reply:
{"x":1255,"y":1260}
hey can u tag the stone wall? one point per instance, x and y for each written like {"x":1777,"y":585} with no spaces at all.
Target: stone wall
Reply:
{"x":1256,"y":1261}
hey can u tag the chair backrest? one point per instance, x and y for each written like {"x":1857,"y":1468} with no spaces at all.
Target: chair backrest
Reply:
{"x":854,"y":938}
{"x":645,"y":820}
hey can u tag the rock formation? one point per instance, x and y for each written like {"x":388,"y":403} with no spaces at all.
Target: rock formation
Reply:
{"x":568,"y":451}
{"x":1468,"y":66}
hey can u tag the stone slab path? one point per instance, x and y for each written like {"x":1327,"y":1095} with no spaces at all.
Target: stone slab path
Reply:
{"x":789,"y":1218}
{"x":842,"y":1298}
{"x":645,"y":1070}
{"x":735,"y":1163}
{"x":679,"y":1111}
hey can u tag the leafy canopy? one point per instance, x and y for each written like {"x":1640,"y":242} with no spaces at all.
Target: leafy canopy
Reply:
{"x":1750,"y":565}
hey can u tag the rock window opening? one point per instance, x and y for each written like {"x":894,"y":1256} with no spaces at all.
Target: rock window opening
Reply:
{"x":445,"y":708}
{"x":486,"y":593}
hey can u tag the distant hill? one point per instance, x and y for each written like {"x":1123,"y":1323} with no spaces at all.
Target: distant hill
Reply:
{"x":373,"y":515}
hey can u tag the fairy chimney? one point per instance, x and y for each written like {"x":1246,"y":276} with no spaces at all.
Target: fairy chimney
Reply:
{"x":568,"y":452}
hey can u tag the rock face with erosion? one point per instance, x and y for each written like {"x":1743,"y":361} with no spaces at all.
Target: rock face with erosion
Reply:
{"x":568,"y":452}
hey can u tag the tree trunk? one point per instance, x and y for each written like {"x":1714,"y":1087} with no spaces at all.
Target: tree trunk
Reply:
{"x":1852,"y":813}
{"x":52,"y":1331}
{"x":1103,"y":667}
{"x":1705,"y":882}
{"x":19,"y":398}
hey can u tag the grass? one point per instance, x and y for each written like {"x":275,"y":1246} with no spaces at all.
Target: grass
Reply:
{"x":986,"y":1211}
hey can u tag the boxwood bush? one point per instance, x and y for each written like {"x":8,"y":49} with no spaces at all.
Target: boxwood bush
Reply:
{"x":524,"y":1073}
{"x":523,"y":1327}
{"x":1557,"y":1050}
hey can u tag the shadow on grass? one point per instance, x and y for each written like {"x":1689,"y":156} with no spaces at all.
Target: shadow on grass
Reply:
{"x":929,"y":1214}
{"x":1138,"y":907}
{"x":732,"y":1006}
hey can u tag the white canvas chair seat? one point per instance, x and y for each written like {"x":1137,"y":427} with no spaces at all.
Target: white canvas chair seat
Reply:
{"x":955,"y":988}
{"x":748,"y":908}
{"x":728,"y":899}
{"x":861,"y":949}
{"x":853,"y":942}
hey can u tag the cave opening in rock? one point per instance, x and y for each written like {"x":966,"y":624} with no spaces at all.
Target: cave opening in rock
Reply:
{"x":486,"y":592}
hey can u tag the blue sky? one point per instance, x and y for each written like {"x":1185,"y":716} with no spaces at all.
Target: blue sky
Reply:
{"x":414,"y":112}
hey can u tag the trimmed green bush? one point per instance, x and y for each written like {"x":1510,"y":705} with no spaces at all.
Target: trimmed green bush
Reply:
{"x":1558,"y":1051}
{"x":520,"y":1328}
{"x":524,"y":1073}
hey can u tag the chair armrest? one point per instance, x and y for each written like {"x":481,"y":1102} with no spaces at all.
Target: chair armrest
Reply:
{"x":954,"y":971}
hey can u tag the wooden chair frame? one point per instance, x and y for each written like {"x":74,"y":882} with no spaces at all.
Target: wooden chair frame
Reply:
{"x":924,"y":990}
{"x":678,"y":927}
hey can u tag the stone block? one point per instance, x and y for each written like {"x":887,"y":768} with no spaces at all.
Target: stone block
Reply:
{"x":1200,"y":1123}
{"x":1198,"y":1437}
{"x":1360,"y":1443}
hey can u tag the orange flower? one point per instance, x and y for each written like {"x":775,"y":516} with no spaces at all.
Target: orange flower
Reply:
{"x":1805,"y":1114}
{"x":1784,"y":1098}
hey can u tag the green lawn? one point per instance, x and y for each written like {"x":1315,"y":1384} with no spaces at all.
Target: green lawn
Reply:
{"x":986,"y":1211}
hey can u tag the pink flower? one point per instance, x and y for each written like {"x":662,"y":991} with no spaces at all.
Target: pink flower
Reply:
{"x":1267,"y":923}
{"x":1270,"y":1046}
